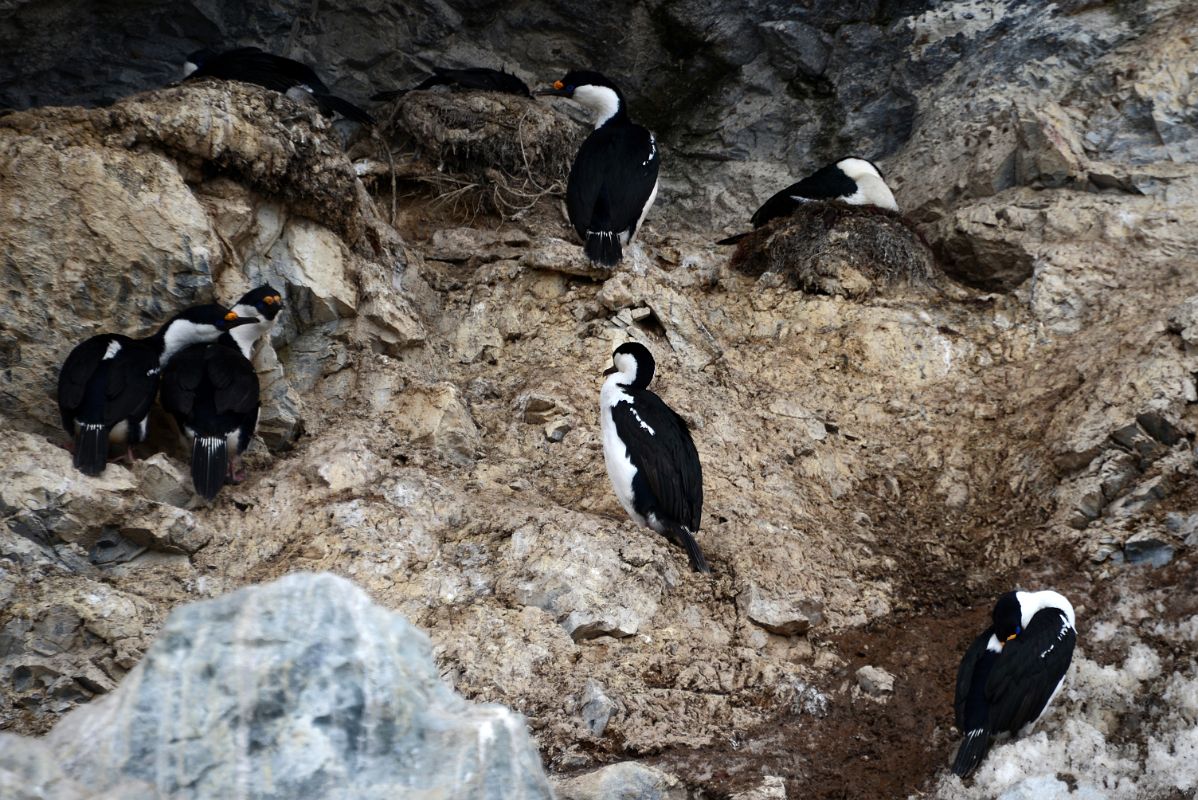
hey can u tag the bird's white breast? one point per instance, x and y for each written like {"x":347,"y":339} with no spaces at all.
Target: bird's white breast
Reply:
{"x":615,"y":454}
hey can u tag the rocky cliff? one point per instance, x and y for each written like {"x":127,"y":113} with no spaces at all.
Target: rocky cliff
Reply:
{"x":878,"y":464}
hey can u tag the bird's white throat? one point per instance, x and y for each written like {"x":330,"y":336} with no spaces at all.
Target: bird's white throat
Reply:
{"x":600,"y":99}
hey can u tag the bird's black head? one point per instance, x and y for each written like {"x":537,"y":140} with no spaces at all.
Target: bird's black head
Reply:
{"x":196,"y":60}
{"x":1008,"y":617}
{"x":575,"y":78}
{"x":634,"y":363}
{"x":265,"y":301}
{"x":215,"y":316}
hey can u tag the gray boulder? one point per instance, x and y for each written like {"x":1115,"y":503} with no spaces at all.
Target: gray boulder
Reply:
{"x":298,"y":688}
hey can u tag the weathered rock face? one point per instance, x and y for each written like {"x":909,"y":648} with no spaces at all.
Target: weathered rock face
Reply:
{"x":873,"y":468}
{"x":115,"y":218}
{"x":298,"y":688}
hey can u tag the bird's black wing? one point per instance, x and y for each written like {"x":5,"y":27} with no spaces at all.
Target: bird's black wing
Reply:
{"x":660,"y":447}
{"x":1029,"y":670}
{"x":965,"y":675}
{"x":827,"y":183}
{"x":252,"y":65}
{"x":234,"y":382}
{"x":181,"y":380}
{"x":611,"y":180}
{"x":132,"y":383}
{"x":483,"y":78}
{"x":75,"y":374}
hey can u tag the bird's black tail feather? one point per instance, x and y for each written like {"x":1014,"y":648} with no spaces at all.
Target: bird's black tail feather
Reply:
{"x":209,"y":464}
{"x":683,"y":538}
{"x":973,"y":749}
{"x":603,"y":247}
{"x":733,"y":239}
{"x":91,"y":448}
{"x":345,"y":108}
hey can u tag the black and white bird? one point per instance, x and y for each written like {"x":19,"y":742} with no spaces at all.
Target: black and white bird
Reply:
{"x":854,"y":181}
{"x":1012,"y":671}
{"x":107,"y":384}
{"x":478,"y":78}
{"x":613,"y":181}
{"x":285,"y":75}
{"x":651,"y":459}
{"x":265,"y":303}
{"x":212,"y":391}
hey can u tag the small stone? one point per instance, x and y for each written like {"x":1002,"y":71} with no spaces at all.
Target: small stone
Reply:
{"x":783,"y":617}
{"x":558,"y":255}
{"x":597,"y":708}
{"x":875,"y":681}
{"x":582,"y":625}
{"x":771,"y":788}
{"x":538,"y":409}
{"x":1148,"y":550}
{"x":1183,"y":526}
{"x":627,"y":780}
{"x":557,"y":429}
{"x":161,"y":480}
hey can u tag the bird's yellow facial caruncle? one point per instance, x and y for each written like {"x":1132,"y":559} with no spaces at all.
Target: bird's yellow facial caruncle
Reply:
{"x":232,"y":315}
{"x":559,"y":85}
{"x":1012,"y":636}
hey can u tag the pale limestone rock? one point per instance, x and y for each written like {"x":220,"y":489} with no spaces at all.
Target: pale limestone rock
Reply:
{"x":302,"y":686}
{"x":48,"y":499}
{"x":558,"y":255}
{"x":771,"y":788}
{"x":627,"y":780}
{"x":163,"y":480}
{"x":875,"y":681}
{"x":786,"y":616}
{"x":435,"y":415}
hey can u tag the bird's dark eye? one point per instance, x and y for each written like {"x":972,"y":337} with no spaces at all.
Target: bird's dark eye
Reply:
{"x":569,"y":88}
{"x":1018,"y":629}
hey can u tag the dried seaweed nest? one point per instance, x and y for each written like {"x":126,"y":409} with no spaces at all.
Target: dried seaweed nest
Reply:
{"x":837,"y":249}
{"x":497,"y":152}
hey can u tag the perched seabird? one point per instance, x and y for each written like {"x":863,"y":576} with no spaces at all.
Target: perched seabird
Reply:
{"x":478,"y":78}
{"x":613,"y":181}
{"x":212,"y":391}
{"x":1012,"y":671}
{"x":854,"y":181}
{"x":253,"y":65}
{"x":651,"y":459}
{"x":265,"y":303}
{"x":107,"y":384}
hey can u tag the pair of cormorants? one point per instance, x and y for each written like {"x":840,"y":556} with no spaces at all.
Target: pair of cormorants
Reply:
{"x":199,"y":358}
{"x":614,"y":179}
{"x":1008,"y":676}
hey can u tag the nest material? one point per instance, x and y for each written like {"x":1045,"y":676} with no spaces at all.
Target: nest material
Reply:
{"x":838,"y":249}
{"x":498,"y":151}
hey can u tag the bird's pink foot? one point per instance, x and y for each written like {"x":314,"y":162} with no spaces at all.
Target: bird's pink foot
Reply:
{"x":237,"y":473}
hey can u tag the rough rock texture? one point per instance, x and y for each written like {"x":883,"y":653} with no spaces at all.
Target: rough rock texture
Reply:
{"x":625,"y":781}
{"x":298,"y":688}
{"x":876,"y":471}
